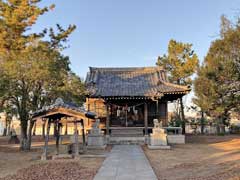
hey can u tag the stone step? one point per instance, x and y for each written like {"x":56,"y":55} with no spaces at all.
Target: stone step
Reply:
{"x":126,"y":140}
{"x":127,"y":131}
{"x":127,"y":135}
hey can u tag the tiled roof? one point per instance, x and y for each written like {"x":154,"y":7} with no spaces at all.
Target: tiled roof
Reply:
{"x":132,"y":81}
{"x":59,"y":103}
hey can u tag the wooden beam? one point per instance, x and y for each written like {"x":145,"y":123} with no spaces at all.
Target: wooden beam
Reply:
{"x":146,"y":118}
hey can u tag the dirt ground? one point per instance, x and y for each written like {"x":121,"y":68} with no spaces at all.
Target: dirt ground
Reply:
{"x":202,"y":158}
{"x":16,"y":165}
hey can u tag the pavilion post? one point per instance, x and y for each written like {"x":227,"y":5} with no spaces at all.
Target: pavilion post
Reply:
{"x":57,"y":135}
{"x":43,"y":127}
{"x":107,"y":120}
{"x":76,"y":145}
{"x":83,"y":136}
{"x":44,"y":155}
{"x":146,"y":118}
{"x":66,"y":128}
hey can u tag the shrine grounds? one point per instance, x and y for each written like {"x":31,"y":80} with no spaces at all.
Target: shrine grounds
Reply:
{"x":202,"y":157}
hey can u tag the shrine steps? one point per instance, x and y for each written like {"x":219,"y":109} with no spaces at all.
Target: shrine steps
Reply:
{"x":126,"y":140}
{"x":127,"y":132}
{"x":126,"y":135}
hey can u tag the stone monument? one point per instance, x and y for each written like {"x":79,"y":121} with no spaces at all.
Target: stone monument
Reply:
{"x":158,"y":137}
{"x":96,"y":138}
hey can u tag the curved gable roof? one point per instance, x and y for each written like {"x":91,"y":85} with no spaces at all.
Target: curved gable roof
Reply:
{"x":132,"y":81}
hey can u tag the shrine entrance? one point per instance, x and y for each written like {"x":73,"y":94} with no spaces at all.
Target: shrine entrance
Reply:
{"x":127,"y":115}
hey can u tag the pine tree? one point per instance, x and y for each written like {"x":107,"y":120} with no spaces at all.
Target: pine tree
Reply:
{"x":217,"y":86}
{"x":33,"y":71}
{"x":181,"y":62}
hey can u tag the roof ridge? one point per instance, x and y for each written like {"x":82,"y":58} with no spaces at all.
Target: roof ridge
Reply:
{"x":148,"y":68}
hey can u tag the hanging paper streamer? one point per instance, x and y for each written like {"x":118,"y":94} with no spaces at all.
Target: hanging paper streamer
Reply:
{"x":126,"y":106}
{"x":135,"y":111}
{"x":118,"y":112}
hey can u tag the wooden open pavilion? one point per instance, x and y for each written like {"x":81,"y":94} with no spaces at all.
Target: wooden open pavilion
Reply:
{"x":60,"y":114}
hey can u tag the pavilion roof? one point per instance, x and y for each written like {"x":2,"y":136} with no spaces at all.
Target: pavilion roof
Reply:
{"x":62,"y":109}
{"x":131,"y":82}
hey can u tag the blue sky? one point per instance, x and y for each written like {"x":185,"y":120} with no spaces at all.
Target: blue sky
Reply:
{"x":135,"y":32}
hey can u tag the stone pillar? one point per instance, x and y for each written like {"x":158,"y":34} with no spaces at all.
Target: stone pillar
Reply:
{"x":146,"y":118}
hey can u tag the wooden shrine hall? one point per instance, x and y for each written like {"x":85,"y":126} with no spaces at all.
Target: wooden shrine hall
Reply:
{"x":131,"y":97}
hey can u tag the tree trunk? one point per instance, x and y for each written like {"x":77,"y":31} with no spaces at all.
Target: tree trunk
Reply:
{"x":219,"y":126}
{"x":8,"y":126}
{"x":202,"y":122}
{"x":29,"y":140}
{"x":26,"y":135}
{"x":23,"y":140}
{"x":182,"y":116}
{"x":5,"y":128}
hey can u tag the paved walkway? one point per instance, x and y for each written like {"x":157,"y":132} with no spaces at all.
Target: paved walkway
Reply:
{"x":126,"y":162}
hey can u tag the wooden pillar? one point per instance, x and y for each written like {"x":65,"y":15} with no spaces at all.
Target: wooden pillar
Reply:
{"x":66,"y":128}
{"x":57,"y":135}
{"x":146,"y":118}
{"x":157,"y":110}
{"x":43,"y":127}
{"x":83,"y":135}
{"x":166,"y":114}
{"x":76,"y":145}
{"x":107,"y":119}
{"x":44,"y":155}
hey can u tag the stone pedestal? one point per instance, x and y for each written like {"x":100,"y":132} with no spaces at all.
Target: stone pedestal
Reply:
{"x":158,"y":138}
{"x":96,"y":139}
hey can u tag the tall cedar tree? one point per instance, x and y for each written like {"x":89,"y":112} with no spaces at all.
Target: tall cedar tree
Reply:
{"x":217,"y":86}
{"x":180,"y":62}
{"x":33,"y":71}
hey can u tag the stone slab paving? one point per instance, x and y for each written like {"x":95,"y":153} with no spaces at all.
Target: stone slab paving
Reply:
{"x":126,"y":162}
